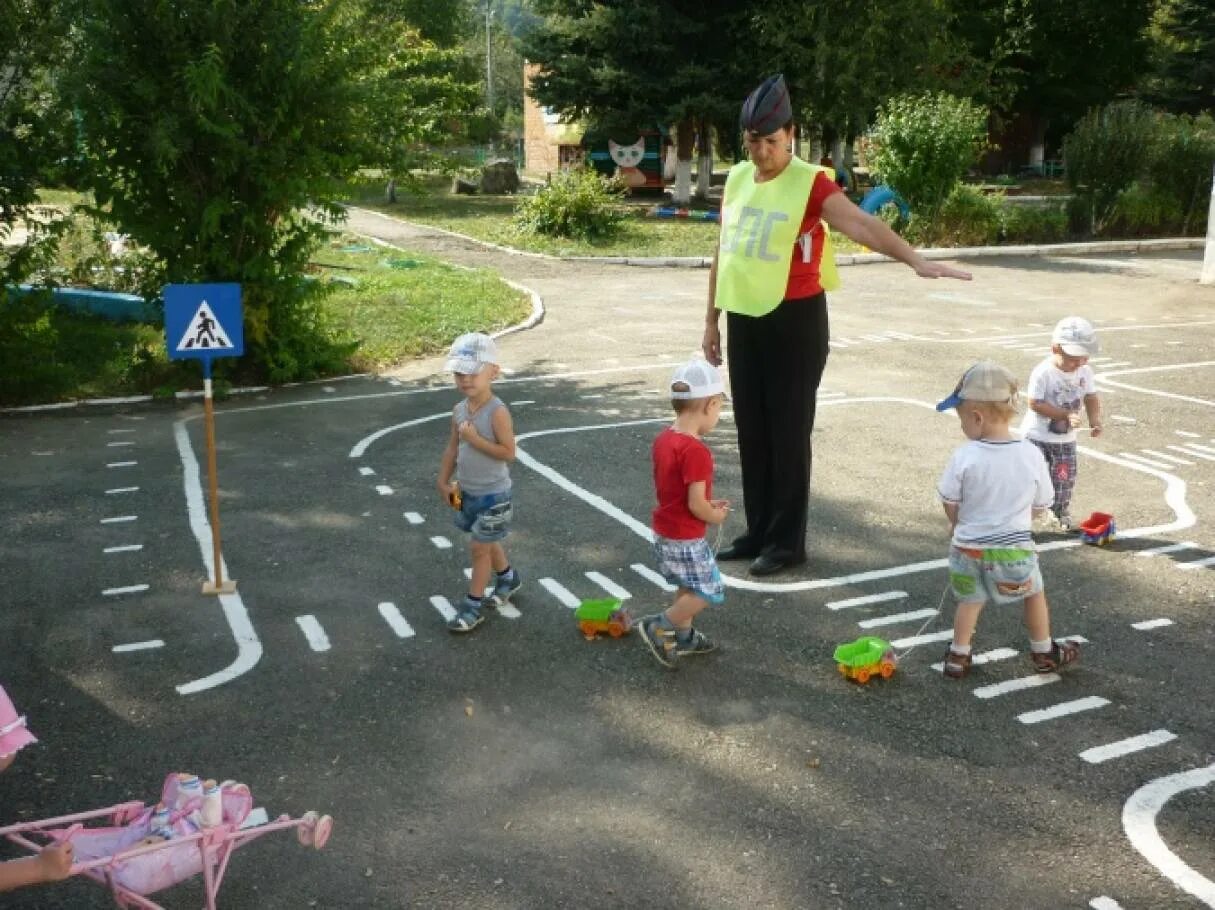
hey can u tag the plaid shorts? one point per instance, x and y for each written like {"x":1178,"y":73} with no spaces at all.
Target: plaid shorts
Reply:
{"x":690,"y":564}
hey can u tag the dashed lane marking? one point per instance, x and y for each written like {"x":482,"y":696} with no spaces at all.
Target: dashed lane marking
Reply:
{"x":1197,"y":563}
{"x":1063,"y":709}
{"x":867,"y":599}
{"x":559,"y":591}
{"x":1128,"y":746}
{"x":128,"y":589}
{"x":314,"y":632}
{"x":912,"y":641}
{"x":650,"y":575}
{"x":119,"y":444}
{"x":125,"y":548}
{"x":414,"y":518}
{"x":119,"y":519}
{"x":366,"y":471}
{"x":116,"y":490}
{"x":383,"y":489}
{"x":1188,"y":434}
{"x":608,"y":585}
{"x":1171,"y":548}
{"x":895,"y":618}
{"x":122,"y":464}
{"x":441,"y":603}
{"x":1188,"y":450}
{"x":1166,"y":457}
{"x":1152,"y":624}
{"x":138,"y":646}
{"x":1016,"y":685}
{"x":985,"y":657}
{"x":395,"y":620}
{"x":441,"y":542}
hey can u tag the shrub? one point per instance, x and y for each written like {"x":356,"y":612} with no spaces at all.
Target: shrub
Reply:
{"x":968,"y":218}
{"x":578,"y":204}
{"x":923,"y":146}
{"x":1104,"y":154}
{"x":1145,"y":209}
{"x":1026,"y":223}
{"x":1180,"y":164}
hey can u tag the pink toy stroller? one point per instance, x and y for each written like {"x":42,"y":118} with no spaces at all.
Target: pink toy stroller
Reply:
{"x":132,"y":862}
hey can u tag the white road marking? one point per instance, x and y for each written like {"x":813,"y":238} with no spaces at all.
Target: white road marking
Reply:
{"x":515,"y":404}
{"x":1188,"y":434}
{"x":313,"y":631}
{"x":1103,"y":378}
{"x":1152,"y":624}
{"x":366,"y":471}
{"x":1194,"y":445}
{"x":1166,"y":457}
{"x":1139,"y":823}
{"x":121,"y":490}
{"x":119,"y":444}
{"x":1016,"y":685}
{"x":1141,"y":459}
{"x":126,"y":548}
{"x":414,"y":518}
{"x":985,"y":657}
{"x":1171,"y":548}
{"x":895,"y":618}
{"x":1190,"y":450}
{"x":913,"y":640}
{"x":1121,"y":419}
{"x":120,"y":431}
{"x":1100,"y":359}
{"x":1104,"y":903}
{"x":121,"y":464}
{"x":1119,"y":363}
{"x":395,"y":620}
{"x":836,"y":344}
{"x":248,"y":645}
{"x":847,"y":341}
{"x":383,"y":489}
{"x":867,"y":599}
{"x":441,"y":542}
{"x":1197,"y":563}
{"x":119,"y":519}
{"x":1063,"y":709}
{"x":1099,"y":754}
{"x":608,"y":585}
{"x":560,"y":592}
{"x":958,"y":298}
{"x":590,"y":397}
{"x":128,"y":589}
{"x":138,"y":646}
{"x":650,"y":575}
{"x":443,"y":605}
{"x":328,"y":389}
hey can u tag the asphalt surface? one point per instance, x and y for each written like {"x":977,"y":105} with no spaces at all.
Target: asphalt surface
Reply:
{"x":525,"y":767}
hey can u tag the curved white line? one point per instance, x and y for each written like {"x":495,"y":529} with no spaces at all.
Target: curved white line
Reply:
{"x":1139,"y":822}
{"x":362,"y":445}
{"x":248,"y":645}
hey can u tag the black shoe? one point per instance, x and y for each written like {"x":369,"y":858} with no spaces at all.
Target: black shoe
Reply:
{"x":771,"y":563}
{"x":735,"y":551}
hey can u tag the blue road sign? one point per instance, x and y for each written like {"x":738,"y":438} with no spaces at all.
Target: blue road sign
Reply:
{"x":203,"y":321}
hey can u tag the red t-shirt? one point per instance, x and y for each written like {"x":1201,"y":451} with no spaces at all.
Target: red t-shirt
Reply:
{"x":804,"y":278}
{"x":680,"y":460}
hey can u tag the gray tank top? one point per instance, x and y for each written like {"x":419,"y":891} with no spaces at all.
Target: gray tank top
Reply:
{"x":476,"y":472}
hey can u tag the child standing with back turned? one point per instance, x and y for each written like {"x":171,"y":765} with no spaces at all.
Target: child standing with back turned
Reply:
{"x":1057,"y":388}
{"x":481,"y":443}
{"x":683,"y":482}
{"x":991,"y":489}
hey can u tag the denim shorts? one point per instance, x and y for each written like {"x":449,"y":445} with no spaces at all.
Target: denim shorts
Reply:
{"x":486,"y":517}
{"x":1006,"y":575}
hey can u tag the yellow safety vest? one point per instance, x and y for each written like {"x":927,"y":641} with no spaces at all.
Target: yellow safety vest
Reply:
{"x":760,"y":224}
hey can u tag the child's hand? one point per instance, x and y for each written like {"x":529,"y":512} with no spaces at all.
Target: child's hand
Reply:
{"x":55,"y":863}
{"x":1096,"y":430}
{"x":467,"y":431}
{"x":721,"y":510}
{"x":1074,"y":419}
{"x":448,"y":491}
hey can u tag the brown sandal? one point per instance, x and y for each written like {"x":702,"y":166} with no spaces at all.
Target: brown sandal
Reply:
{"x":956,"y":665}
{"x":1061,"y":653}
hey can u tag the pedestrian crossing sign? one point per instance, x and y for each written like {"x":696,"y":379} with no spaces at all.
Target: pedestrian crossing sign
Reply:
{"x":203,"y":321}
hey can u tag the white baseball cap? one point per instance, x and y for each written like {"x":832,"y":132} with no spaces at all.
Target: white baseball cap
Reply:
{"x":1076,"y":336}
{"x":471,"y":352}
{"x":701,"y":378}
{"x":985,"y":381}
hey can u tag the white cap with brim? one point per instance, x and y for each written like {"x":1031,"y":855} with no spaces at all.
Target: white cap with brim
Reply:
{"x":702,"y":379}
{"x":1076,"y":337}
{"x":985,"y":381}
{"x":470,"y":353}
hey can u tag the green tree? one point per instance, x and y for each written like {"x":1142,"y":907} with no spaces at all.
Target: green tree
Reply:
{"x":1182,"y":76}
{"x":648,"y":64}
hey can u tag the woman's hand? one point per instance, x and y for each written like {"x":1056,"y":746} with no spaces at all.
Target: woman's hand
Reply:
{"x":927,"y":268}
{"x":711,"y":344}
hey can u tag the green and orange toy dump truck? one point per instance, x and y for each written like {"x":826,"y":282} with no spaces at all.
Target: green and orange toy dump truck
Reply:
{"x":607,"y":615}
{"x":865,"y":658}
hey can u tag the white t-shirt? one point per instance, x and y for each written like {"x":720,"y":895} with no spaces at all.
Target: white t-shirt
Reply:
{"x":1063,"y":390}
{"x":996,"y":486}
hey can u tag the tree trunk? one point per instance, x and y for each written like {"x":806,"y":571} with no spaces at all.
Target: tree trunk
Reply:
{"x":390,"y":192}
{"x":685,"y":138}
{"x":704,"y":166}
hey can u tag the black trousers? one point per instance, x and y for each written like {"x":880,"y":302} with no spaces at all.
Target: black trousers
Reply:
{"x":776,"y":362}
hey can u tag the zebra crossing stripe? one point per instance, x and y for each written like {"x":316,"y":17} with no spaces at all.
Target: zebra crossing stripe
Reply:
{"x":608,"y":585}
{"x":1099,"y":754}
{"x":559,"y":591}
{"x":650,"y":575}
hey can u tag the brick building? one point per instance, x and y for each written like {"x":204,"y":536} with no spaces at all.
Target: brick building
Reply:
{"x":548,"y":145}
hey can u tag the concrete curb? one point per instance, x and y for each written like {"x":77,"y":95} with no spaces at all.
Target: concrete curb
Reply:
{"x":972,"y":252}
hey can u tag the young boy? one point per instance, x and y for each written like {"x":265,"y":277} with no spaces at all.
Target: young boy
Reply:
{"x":53,"y":863}
{"x":481,"y":443}
{"x":991,"y":489}
{"x":683,"y":482}
{"x":1057,"y":387}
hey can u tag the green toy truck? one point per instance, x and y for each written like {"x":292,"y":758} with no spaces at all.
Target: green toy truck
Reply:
{"x":606,"y":615}
{"x":859,"y":660}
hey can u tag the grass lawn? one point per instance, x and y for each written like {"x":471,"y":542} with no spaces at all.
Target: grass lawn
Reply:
{"x":396,"y":305}
{"x":491,"y":218}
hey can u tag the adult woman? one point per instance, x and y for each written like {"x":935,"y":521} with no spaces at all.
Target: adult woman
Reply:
{"x":772,"y":265}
